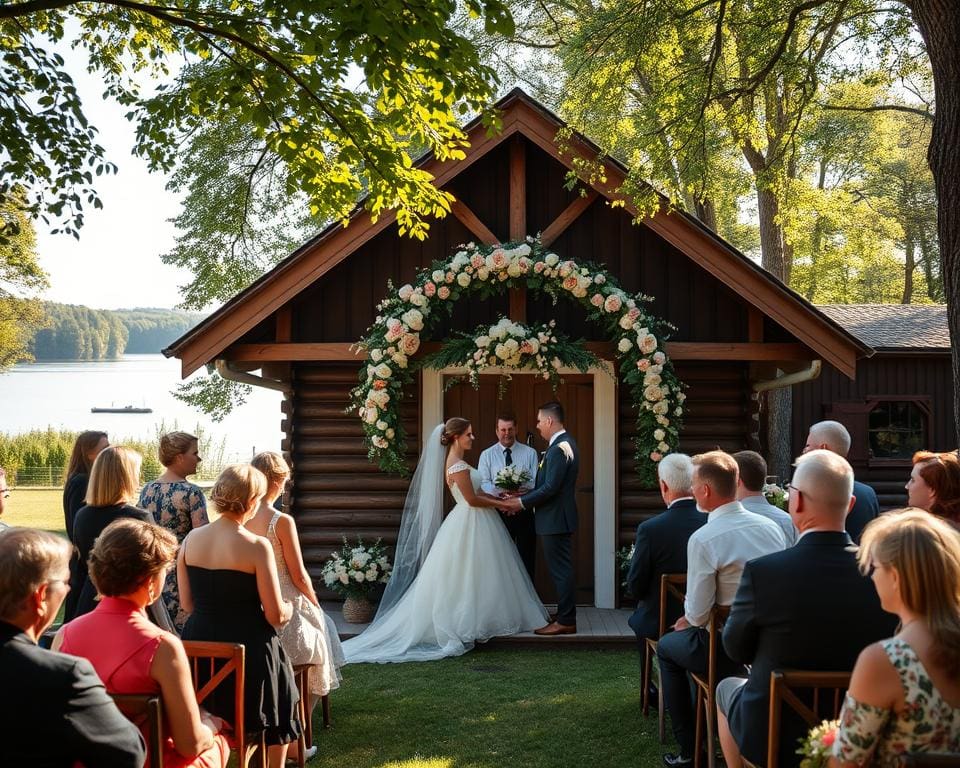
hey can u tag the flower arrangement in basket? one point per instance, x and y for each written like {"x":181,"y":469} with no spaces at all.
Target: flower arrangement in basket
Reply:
{"x":818,"y":746}
{"x":355,"y":572}
{"x":511,"y":478}
{"x":776,"y":495}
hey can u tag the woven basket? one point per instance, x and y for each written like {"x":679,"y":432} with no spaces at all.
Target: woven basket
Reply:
{"x":358,"y":610}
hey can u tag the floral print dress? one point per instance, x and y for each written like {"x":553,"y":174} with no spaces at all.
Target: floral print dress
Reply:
{"x":179,"y":507}
{"x":926,"y":724}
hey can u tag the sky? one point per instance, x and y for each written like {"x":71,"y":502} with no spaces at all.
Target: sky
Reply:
{"x":116,"y":262}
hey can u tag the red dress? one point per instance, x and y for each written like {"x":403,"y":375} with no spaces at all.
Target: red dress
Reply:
{"x":120,"y":641}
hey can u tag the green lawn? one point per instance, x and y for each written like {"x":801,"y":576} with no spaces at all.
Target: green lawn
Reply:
{"x":492,"y":708}
{"x":487,"y":709}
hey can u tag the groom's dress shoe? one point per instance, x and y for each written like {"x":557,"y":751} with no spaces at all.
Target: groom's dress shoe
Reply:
{"x":557,"y":629}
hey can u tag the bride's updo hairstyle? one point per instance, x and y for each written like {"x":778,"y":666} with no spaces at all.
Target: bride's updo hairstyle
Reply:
{"x":237,"y":487}
{"x":452,"y":429}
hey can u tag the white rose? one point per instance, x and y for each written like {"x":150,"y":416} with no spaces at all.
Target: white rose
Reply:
{"x":389,"y":433}
{"x":552,"y":260}
{"x":371,"y":416}
{"x":514,"y":269}
{"x":652,"y":393}
{"x":626,"y":322}
{"x":482,"y":341}
{"x":357,"y":576}
{"x":501,"y":351}
{"x":379,"y":442}
{"x":649,"y":344}
{"x":438,"y":276}
{"x":344,"y":578}
{"x":400,"y":359}
{"x":534,"y":345}
{"x":384,"y":371}
{"x":625,"y":345}
{"x":382,"y":425}
{"x":376,"y":355}
{"x":414,"y":319}
{"x":661,"y":408}
{"x":418,"y":299}
{"x":483,"y":273}
{"x":663,"y":447}
{"x":371,"y":574}
{"x":651,"y":379}
{"x":659,"y":434}
{"x":405,"y":292}
{"x":463,"y":279}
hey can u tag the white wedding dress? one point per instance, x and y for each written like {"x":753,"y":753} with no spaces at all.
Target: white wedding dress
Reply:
{"x":472,"y":586}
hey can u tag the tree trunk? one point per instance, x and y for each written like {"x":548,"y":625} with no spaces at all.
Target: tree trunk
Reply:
{"x":771,"y":235}
{"x":909,"y":266}
{"x":939,"y":23}
{"x":707,"y":213}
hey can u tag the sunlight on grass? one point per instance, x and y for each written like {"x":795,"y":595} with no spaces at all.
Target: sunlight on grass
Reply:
{"x":36,"y":508}
{"x":419,"y":762}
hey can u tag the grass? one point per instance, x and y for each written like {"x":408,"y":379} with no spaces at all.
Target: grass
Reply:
{"x":487,"y":709}
{"x":492,"y":708}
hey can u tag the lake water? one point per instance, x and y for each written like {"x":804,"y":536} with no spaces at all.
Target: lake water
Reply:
{"x":60,"y":395}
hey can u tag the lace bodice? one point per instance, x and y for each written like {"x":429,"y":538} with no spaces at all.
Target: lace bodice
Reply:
{"x":926,"y":724}
{"x":474,"y":479}
{"x":287,"y":588}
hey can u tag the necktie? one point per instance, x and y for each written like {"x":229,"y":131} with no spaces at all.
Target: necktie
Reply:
{"x":507,"y":456}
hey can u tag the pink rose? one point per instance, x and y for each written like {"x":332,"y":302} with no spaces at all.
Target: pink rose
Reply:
{"x":477,"y":261}
{"x":429,"y":289}
{"x":634,"y":313}
{"x":643,"y":364}
{"x":443,"y":292}
{"x":656,"y":456}
{"x":450,"y":277}
{"x":829,"y":737}
{"x":612,"y":304}
{"x":539,"y":267}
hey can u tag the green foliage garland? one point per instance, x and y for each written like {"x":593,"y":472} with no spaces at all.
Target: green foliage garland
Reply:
{"x":482,"y":271}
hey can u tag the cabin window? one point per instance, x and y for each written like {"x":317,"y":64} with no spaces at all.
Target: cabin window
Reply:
{"x":896,"y":429}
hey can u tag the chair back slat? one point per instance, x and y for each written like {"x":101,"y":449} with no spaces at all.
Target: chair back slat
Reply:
{"x":203,"y":656}
{"x":784,"y":685}
{"x":672,"y":585}
{"x":718,"y":617}
{"x":147,"y":709}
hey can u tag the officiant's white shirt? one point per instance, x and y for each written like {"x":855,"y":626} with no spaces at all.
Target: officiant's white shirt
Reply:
{"x":493,"y":459}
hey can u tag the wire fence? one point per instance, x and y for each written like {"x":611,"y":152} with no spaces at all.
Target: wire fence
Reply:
{"x":54,"y":477}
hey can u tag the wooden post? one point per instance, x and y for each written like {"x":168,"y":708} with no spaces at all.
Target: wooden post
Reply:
{"x":518,"y":218}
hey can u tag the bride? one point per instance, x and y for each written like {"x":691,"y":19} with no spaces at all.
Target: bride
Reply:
{"x":455,"y":583}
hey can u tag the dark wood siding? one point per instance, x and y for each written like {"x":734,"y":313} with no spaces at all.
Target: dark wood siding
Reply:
{"x":879,"y":376}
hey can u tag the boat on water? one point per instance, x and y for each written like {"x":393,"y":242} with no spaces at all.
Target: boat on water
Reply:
{"x":124,"y":409}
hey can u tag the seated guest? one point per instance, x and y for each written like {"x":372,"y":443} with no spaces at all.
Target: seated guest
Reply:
{"x":753,"y":474}
{"x":934,"y":484}
{"x":54,"y":711}
{"x":128,"y":564}
{"x":716,"y":555}
{"x":661,"y":545}
{"x":114,"y":479}
{"x":4,"y":493}
{"x":786,"y":605}
{"x":904,"y":696}
{"x":85,"y":451}
{"x":833,"y":436}
{"x":229,"y":588}
{"x":310,"y":637}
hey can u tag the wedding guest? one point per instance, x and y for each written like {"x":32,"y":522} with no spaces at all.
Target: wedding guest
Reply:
{"x":508,"y":451}
{"x":128,"y":564}
{"x":54,"y":711}
{"x":904,"y":696}
{"x":934,"y":484}
{"x":661,"y":545}
{"x":716,"y":555}
{"x":230,"y":591}
{"x":833,"y":436}
{"x":85,"y":450}
{"x":176,"y":504}
{"x":310,"y":637}
{"x":785,"y":602}
{"x":4,"y":495}
{"x":753,"y":475}
{"x":114,"y":479}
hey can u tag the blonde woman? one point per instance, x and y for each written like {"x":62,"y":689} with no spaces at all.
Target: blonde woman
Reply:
{"x":904,"y":695}
{"x":114,"y":479}
{"x":310,"y":637}
{"x":177,"y":505}
{"x":230,"y":591}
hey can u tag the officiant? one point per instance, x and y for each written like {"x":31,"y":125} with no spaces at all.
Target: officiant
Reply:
{"x":506,"y":452}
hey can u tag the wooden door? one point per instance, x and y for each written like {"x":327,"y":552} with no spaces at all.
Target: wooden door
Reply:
{"x":522,"y":395}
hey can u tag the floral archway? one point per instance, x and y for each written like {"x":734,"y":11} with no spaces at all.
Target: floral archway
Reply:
{"x":484,"y":270}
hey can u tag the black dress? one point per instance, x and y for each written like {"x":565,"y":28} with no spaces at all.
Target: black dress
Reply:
{"x":88,"y":524}
{"x":226,"y":609}
{"x":74,"y":497}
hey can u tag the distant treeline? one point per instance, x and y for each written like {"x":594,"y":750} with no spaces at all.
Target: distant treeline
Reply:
{"x":80,"y":333}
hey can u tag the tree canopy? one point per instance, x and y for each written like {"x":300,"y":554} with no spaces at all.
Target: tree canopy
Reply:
{"x":21,"y":278}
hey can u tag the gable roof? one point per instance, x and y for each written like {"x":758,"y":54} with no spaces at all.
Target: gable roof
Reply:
{"x":894,"y":327}
{"x":524,"y":116}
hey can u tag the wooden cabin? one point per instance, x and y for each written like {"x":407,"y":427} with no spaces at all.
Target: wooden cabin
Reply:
{"x":901,"y":400}
{"x":736,"y":327}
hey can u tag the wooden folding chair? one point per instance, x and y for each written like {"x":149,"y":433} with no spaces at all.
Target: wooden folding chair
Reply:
{"x":931,"y":760}
{"x":147,"y":709}
{"x":706,"y":706}
{"x":825,"y":693}
{"x":212,"y":664}
{"x":302,"y":674}
{"x":671,"y":587}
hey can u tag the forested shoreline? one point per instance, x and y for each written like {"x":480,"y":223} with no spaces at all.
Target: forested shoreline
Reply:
{"x":80,"y":333}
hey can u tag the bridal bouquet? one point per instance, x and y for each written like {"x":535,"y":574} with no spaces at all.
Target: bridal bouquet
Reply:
{"x":818,"y":747}
{"x":511,"y":478}
{"x":356,"y":570}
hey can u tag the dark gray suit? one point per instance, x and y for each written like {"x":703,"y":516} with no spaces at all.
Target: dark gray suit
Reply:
{"x":865,"y":509}
{"x":554,"y":503}
{"x":55,"y":712}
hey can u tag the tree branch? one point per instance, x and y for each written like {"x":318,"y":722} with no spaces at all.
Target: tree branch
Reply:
{"x":881,"y":108}
{"x":14,"y":10}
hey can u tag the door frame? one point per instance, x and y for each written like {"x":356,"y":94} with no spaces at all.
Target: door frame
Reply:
{"x":604,"y":462}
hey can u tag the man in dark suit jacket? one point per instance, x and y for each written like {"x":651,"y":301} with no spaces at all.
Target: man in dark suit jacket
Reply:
{"x":54,"y":711}
{"x":808,"y":607}
{"x":554,"y":503}
{"x":833,"y":436}
{"x":661,"y":545}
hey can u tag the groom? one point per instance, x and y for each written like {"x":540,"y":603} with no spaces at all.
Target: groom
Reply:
{"x":553,"y":501}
